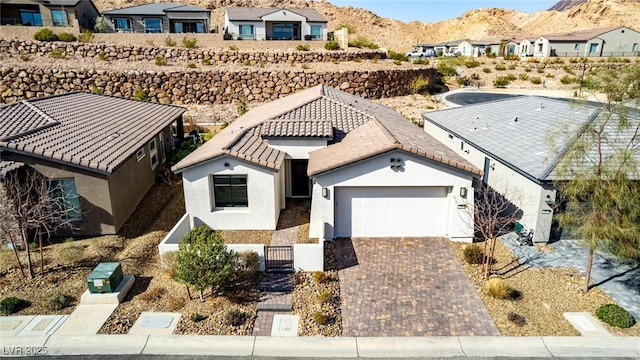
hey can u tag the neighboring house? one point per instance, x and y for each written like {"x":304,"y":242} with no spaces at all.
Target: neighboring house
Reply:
{"x":274,"y":24}
{"x":614,"y":41}
{"x":160,"y":18}
{"x":518,"y":142}
{"x":526,"y":46}
{"x":105,"y":151}
{"x":80,"y":13}
{"x":368,"y":171}
{"x":481,"y":47}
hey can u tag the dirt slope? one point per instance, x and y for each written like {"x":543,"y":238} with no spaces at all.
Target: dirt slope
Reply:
{"x":475,"y":24}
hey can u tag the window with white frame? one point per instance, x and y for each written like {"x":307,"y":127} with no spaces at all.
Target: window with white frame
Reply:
{"x":64,"y":198}
{"x":230,"y":191}
{"x":140,"y":153}
{"x":153,"y":153}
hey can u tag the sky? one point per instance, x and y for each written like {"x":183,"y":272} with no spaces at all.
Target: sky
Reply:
{"x":437,"y":10}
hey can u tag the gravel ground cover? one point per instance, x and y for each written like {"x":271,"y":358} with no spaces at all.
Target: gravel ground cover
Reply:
{"x":545,"y":295}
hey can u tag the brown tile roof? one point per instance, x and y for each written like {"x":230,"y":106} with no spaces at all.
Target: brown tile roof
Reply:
{"x":361,"y":128}
{"x":256,"y":14}
{"x":95,"y":132}
{"x":8,"y":166}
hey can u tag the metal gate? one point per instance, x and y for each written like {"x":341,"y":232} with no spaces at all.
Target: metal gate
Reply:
{"x":278,"y":258}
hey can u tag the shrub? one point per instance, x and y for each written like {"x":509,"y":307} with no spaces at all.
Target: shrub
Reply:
{"x":168,"y":263}
{"x":421,"y":62}
{"x":141,"y":94}
{"x":195,"y":317}
{"x":471,"y":63}
{"x":614,"y":315}
{"x":246,"y":62}
{"x":332,"y":45}
{"x":169,"y":42}
{"x":533,"y":60}
{"x":523,"y":77}
{"x":463,"y":81}
{"x":486,"y":70}
{"x":527,"y":69}
{"x":356,"y":60}
{"x":516,"y":318}
{"x":303,"y":47}
{"x":320,"y":318}
{"x":102,"y":25}
{"x":535,"y":80}
{"x":550,"y":76}
{"x":206,"y":61}
{"x":565,"y":80}
{"x":59,"y":301}
{"x":86,"y":36}
{"x":363,"y":42}
{"x":500,"y":67}
{"x":45,"y":34}
{"x":557,"y":60}
{"x":320,"y":277}
{"x":189,"y":43}
{"x":246,"y":268}
{"x":397,"y":56}
{"x":233,"y":48}
{"x":161,"y":60}
{"x":350,"y":28}
{"x":418,"y":84}
{"x":149,"y":42}
{"x":306,"y":66}
{"x":10,"y":305}
{"x":446,"y":69}
{"x":25,"y":57}
{"x":568,"y":70}
{"x":512,"y":57}
{"x":498,"y":288}
{"x":501,"y":81}
{"x":324,"y":296}
{"x":102,"y":56}
{"x":153,"y":294}
{"x":242,"y":107}
{"x":473,"y":254}
{"x":540,"y":70}
{"x":397,"y":62}
{"x":58,"y":54}
{"x":235,"y":317}
{"x":66,"y":37}
{"x":475,"y":76}
{"x":191,"y":65}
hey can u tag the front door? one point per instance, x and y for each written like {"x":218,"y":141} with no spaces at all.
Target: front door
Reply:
{"x":299,"y":178}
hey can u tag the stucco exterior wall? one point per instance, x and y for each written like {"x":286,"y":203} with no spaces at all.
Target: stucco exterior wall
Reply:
{"x":526,"y":194}
{"x":620,"y":41}
{"x":376,"y":172}
{"x":296,"y":149}
{"x":541,"y":48}
{"x":262,"y":212}
{"x":567,"y":48}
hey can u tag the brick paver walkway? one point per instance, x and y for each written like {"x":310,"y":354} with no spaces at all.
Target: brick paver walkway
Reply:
{"x":275,"y":297}
{"x":407,"y":287}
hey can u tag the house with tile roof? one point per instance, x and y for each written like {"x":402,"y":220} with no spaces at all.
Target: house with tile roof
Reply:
{"x":274,"y":24}
{"x":519,"y":142}
{"x":367,"y":170}
{"x":160,"y":18}
{"x":105,"y":151}
{"x":78,"y":13}
{"x":613,"y":41}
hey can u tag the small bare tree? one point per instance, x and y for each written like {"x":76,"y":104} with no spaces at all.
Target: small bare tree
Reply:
{"x":34,"y":205}
{"x":494,"y":216}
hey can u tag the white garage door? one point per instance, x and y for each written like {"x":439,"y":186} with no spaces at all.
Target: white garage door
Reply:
{"x":390,"y":211}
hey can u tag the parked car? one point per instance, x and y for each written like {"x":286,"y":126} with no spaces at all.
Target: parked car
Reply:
{"x":420,"y":53}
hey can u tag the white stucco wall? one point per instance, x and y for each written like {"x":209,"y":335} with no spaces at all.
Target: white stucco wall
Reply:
{"x":308,"y":257}
{"x":377,"y":172}
{"x":296,"y":149}
{"x":526,"y":194}
{"x":263,"y":210}
{"x":545,"y":48}
{"x":259,"y":29}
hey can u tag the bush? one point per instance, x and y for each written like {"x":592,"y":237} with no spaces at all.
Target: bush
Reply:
{"x":471,"y":63}
{"x":397,"y":56}
{"x":170,"y":42}
{"x":500,"y":67}
{"x":332,"y":45}
{"x":486,"y":70}
{"x":473,"y":254}
{"x":10,"y":305}
{"x":350,"y":28}
{"x":245,"y":268}
{"x":463,"y":81}
{"x":324,"y":296}
{"x":246,"y":62}
{"x":86,"y":36}
{"x":320,"y":277}
{"x":25,"y":57}
{"x":191,"y":65}
{"x":523,"y":77}
{"x":511,"y":77}
{"x":233,"y":48}
{"x":141,"y":94}
{"x":161,"y":60}
{"x":235,"y":317}
{"x":303,"y":47}
{"x":195,"y":317}
{"x":516,"y":318}
{"x":418,"y":84}
{"x":189,"y":43}
{"x":568,"y":70}
{"x":501,"y":81}
{"x":58,"y":54}
{"x":206,"y":61}
{"x":397,"y":62}
{"x":614,"y":315}
{"x":242,"y":107}
{"x":512,"y":57}
{"x":59,"y":301}
{"x":363,"y":42}
{"x":66,"y":37}
{"x":446,"y":69}
{"x":320,"y":318}
{"x":45,"y":35}
{"x":535,"y":80}
{"x":475,"y":76}
{"x":421,"y":62}
{"x":102,"y":56}
{"x":498,"y":288}
{"x":565,"y":80}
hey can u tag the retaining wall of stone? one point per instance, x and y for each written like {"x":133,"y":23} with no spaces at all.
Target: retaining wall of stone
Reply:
{"x":197,"y":86}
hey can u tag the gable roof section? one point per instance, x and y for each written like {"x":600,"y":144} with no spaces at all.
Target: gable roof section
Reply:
{"x":159,"y":9}
{"x":256,"y":14}
{"x":95,"y":132}
{"x":527,"y":133}
{"x":355,"y":122}
{"x":8,"y":166}
{"x":579,"y":35}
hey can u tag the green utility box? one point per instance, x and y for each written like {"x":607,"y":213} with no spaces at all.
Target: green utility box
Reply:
{"x":105,"y":278}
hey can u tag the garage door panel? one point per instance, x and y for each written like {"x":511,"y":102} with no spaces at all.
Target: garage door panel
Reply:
{"x":390,"y":211}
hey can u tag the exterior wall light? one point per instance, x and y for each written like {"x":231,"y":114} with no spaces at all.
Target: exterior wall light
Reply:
{"x":463,"y":192}
{"x":325,"y":192}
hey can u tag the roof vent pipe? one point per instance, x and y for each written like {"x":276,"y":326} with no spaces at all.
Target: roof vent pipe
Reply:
{"x":541,"y":106}
{"x":515,"y":119}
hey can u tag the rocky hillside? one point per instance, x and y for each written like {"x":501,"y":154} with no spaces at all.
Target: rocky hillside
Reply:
{"x":476,"y":24}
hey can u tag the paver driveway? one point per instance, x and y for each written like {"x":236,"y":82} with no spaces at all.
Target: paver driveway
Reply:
{"x":407,"y":287}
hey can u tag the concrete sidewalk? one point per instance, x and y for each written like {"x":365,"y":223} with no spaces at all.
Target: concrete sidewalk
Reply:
{"x":342,"y":347}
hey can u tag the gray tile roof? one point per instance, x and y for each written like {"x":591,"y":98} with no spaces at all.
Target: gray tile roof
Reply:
{"x":95,"y":132}
{"x":256,"y":14}
{"x":527,"y":133}
{"x":579,"y":35}
{"x":8,"y":166}
{"x":360,"y":129}
{"x":159,"y":9}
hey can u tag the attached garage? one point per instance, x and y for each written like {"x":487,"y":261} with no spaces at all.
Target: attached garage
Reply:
{"x":410,"y":211}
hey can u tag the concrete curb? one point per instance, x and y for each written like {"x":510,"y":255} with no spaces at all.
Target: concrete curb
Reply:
{"x":343,"y":347}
